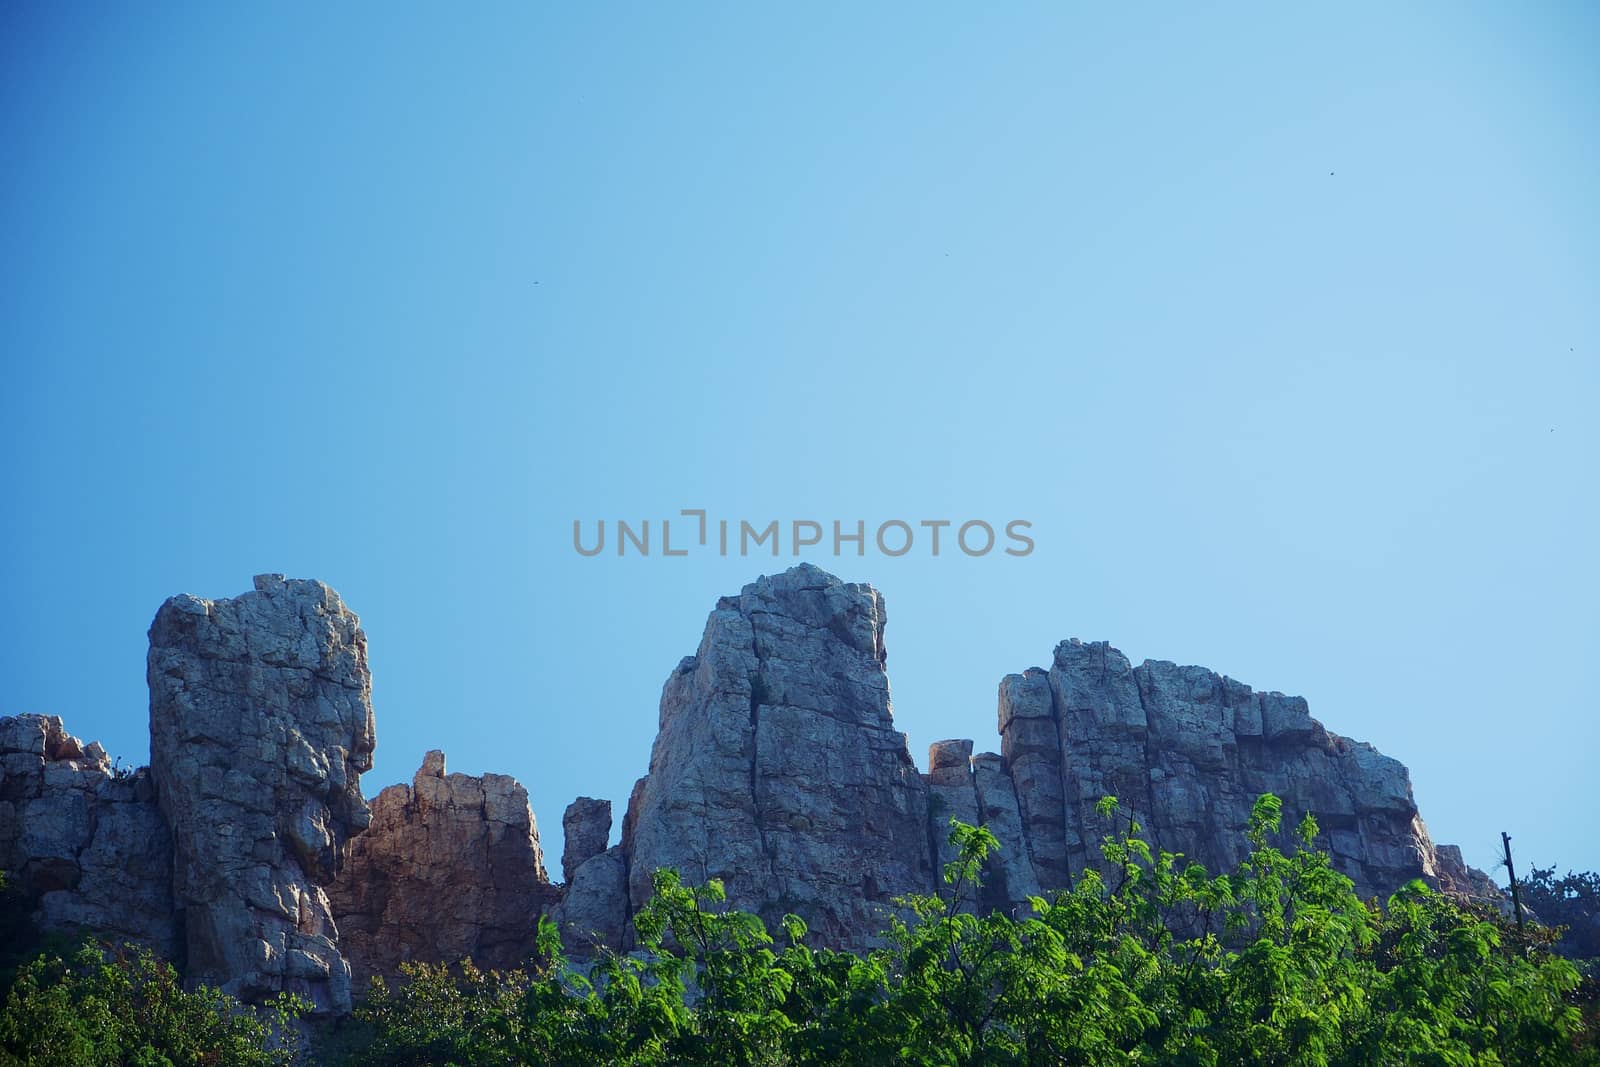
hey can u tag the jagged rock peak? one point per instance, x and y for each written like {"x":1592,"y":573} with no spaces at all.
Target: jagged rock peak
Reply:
{"x":777,"y":767}
{"x":586,"y":829}
{"x":450,"y":868}
{"x":260,"y":727}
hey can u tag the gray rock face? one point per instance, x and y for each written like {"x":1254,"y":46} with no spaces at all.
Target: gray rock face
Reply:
{"x":1030,"y":742}
{"x":586,"y":828}
{"x":1011,"y":875}
{"x":594,"y":911}
{"x":951,"y":797}
{"x":87,"y":845}
{"x":260,"y":727}
{"x":450,"y":868}
{"x":1187,"y":752}
{"x":777,"y":767}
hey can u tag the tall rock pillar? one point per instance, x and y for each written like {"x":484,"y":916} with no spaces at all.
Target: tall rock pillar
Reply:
{"x":777,"y":767}
{"x":260,"y":727}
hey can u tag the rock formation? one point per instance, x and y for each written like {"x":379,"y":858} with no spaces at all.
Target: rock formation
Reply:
{"x":951,"y":797}
{"x":450,"y":868}
{"x":1187,"y":752}
{"x":594,"y":909}
{"x":245,"y":848}
{"x":84,"y":843}
{"x":777,"y":767}
{"x":260,"y":727}
{"x":586,"y":828}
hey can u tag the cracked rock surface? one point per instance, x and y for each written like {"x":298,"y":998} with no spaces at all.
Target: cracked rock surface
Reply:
{"x":260,"y":728}
{"x":450,"y":868}
{"x":245,"y":848}
{"x":86,"y":845}
{"x":777,"y":767}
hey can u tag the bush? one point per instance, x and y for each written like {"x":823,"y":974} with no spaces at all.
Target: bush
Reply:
{"x":129,"y":1008}
{"x":1276,"y":962}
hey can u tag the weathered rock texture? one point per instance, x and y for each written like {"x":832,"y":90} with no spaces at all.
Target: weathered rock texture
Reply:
{"x":260,"y":727}
{"x":594,"y":910}
{"x":450,"y":868}
{"x":1187,"y":752}
{"x":85,"y":845}
{"x":586,"y":828}
{"x":777,"y":767}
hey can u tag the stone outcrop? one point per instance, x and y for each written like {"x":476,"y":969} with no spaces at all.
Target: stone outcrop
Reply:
{"x":586,"y":828}
{"x":245,"y":849}
{"x":594,"y":911}
{"x":85,"y":844}
{"x":1187,"y":751}
{"x":777,"y":767}
{"x":450,"y":868}
{"x":951,"y":797}
{"x":260,"y":727}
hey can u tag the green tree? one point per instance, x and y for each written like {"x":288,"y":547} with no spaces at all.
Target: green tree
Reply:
{"x":1147,"y":959}
{"x":129,"y":1008}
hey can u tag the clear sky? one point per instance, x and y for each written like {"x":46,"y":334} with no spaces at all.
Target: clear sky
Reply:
{"x":1279,"y":323}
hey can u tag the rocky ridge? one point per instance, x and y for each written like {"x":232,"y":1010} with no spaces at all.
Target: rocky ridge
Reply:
{"x":777,"y":767}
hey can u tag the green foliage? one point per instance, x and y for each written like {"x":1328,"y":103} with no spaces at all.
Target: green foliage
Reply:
{"x":130,"y":1009}
{"x":1146,"y":959}
{"x":1153,"y":961}
{"x":1570,"y":903}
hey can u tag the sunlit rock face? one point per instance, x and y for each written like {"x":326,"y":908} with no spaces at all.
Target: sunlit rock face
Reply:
{"x":1186,"y":752}
{"x":247,"y":852}
{"x":260,"y":727}
{"x":777,"y":767}
{"x":449,"y":869}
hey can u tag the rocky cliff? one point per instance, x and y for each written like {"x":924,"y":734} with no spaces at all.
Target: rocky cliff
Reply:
{"x":247,"y":849}
{"x":260,"y":728}
{"x":450,"y":868}
{"x":83,"y":843}
{"x":777,"y":767}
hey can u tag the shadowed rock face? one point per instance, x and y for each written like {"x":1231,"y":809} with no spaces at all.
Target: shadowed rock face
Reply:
{"x":260,"y":727}
{"x":86,"y":845}
{"x":777,"y":767}
{"x":594,"y":912}
{"x":450,"y":868}
{"x":586,"y":828}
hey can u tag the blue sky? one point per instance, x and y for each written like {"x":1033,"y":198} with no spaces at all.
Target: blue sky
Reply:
{"x":1280,"y":326}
